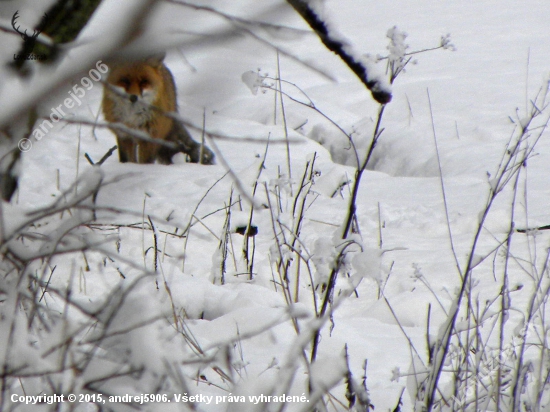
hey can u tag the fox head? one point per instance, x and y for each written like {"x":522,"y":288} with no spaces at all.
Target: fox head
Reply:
{"x":139,"y":86}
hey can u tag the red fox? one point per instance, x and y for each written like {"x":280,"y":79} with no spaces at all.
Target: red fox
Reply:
{"x":145,"y":90}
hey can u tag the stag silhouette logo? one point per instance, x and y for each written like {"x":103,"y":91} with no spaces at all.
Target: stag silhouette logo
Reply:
{"x":29,"y":40}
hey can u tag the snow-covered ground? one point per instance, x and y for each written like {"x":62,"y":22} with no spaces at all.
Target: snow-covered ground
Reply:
{"x":478,"y":94}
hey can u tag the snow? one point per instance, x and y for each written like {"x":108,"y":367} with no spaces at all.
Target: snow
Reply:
{"x":402,"y":259}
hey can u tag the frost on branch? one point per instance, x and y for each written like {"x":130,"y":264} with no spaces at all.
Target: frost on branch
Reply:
{"x":397,"y":47}
{"x":253,"y":81}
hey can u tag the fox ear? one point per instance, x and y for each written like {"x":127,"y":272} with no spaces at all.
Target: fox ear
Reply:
{"x":156,"y":60}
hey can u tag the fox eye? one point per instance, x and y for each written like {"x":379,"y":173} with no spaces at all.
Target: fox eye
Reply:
{"x":143,"y":83}
{"x":124,"y":82}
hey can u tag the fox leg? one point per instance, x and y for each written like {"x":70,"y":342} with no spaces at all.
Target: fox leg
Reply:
{"x":147,"y":152}
{"x":126,"y":150}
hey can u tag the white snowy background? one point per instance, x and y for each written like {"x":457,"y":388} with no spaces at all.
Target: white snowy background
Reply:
{"x":479,"y":94}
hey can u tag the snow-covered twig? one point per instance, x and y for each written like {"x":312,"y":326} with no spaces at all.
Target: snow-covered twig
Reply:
{"x":380,"y":90}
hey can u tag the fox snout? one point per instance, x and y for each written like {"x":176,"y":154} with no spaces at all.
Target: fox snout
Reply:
{"x":133,"y":98}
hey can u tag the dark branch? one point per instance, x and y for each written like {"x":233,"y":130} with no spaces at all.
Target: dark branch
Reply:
{"x":377,"y":89}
